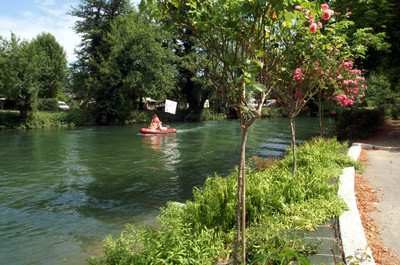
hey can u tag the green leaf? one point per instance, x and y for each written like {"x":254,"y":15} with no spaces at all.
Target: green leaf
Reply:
{"x":260,"y":87}
{"x":258,"y":62}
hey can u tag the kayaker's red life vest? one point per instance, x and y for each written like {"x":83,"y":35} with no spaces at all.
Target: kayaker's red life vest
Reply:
{"x":155,"y":123}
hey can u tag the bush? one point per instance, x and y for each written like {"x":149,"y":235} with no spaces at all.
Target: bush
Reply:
{"x":47,"y":104}
{"x":9,"y":119}
{"x":42,"y":119}
{"x":210,"y":115}
{"x":358,"y":123}
{"x":204,"y":230}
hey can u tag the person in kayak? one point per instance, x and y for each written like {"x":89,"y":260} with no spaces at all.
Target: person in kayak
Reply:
{"x":156,"y":123}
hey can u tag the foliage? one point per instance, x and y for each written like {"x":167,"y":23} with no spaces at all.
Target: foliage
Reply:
{"x":19,"y":71}
{"x":9,"y":119}
{"x":269,"y":247}
{"x":203,"y":230}
{"x":190,"y":57}
{"x":29,"y":70}
{"x":205,"y":115}
{"x":274,"y":191}
{"x":138,"y":64}
{"x":53,"y":67}
{"x":358,"y":123}
{"x":93,"y":24}
{"x":174,"y":242}
{"x":49,"y":104}
{"x":381,"y":62}
{"x":380,"y":95}
{"x":273,"y":112}
{"x":379,"y":17}
{"x":45,"y":119}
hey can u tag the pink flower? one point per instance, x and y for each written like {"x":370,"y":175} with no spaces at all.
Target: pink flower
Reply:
{"x":333,"y":112}
{"x":313,"y":27}
{"x":327,"y":14}
{"x":298,"y":8}
{"x":319,"y":24}
{"x":311,"y":21}
{"x":324,"y":7}
{"x":349,"y":13}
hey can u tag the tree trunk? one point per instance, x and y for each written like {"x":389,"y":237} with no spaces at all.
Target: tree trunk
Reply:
{"x":242,"y":171}
{"x":293,"y":132}
{"x":241,"y":193}
{"x":320,"y":115}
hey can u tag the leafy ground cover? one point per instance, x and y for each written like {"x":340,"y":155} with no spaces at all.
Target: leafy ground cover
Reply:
{"x":203,"y":230}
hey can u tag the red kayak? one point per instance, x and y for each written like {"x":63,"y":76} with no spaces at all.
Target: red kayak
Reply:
{"x":157,"y":131}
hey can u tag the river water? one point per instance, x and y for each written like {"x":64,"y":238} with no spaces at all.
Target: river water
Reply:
{"x":62,"y":191}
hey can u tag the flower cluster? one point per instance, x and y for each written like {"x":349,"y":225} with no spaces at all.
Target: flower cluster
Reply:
{"x":346,"y":83}
{"x":328,"y":13}
{"x":349,"y":83}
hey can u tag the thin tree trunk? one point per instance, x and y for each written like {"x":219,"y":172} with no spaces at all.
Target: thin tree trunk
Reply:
{"x":242,"y":169}
{"x":320,"y":115}
{"x":238,"y":219}
{"x":293,"y":132}
{"x":241,"y":193}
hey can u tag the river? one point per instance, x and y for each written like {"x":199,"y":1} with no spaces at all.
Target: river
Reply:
{"x":62,"y":191}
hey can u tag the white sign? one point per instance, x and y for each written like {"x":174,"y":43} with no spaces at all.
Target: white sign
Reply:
{"x":170,"y":106}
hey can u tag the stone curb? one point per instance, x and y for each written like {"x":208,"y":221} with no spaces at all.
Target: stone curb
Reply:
{"x":375,"y":147}
{"x":355,"y":245}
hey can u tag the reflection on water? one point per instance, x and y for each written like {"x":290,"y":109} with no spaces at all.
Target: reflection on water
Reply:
{"x":166,"y":150}
{"x":62,"y":191}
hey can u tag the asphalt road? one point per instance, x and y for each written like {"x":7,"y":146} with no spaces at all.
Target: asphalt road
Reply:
{"x":383,"y":173}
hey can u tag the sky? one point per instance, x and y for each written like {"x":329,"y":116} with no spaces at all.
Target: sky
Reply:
{"x":28,"y":18}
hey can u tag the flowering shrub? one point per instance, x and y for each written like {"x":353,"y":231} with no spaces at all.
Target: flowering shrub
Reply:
{"x":348,"y":82}
{"x":341,"y":82}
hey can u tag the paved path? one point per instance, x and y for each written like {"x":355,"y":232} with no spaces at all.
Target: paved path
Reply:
{"x":383,"y":173}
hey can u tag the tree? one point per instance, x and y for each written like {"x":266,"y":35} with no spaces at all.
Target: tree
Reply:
{"x":54,"y":71}
{"x":94,"y":23}
{"x":20,"y":66}
{"x":243,"y":40}
{"x":195,"y":90}
{"x":139,"y":64}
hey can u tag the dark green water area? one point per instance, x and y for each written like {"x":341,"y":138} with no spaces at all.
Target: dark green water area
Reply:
{"x":62,"y":191}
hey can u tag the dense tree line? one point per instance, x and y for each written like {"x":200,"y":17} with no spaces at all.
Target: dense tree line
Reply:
{"x":126,"y":55}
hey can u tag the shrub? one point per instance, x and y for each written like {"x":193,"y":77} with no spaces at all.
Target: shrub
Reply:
{"x":47,"y":104}
{"x":9,"y":119}
{"x":358,"y":124}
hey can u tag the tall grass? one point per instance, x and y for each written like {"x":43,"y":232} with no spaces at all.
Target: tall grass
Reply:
{"x":203,"y":230}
